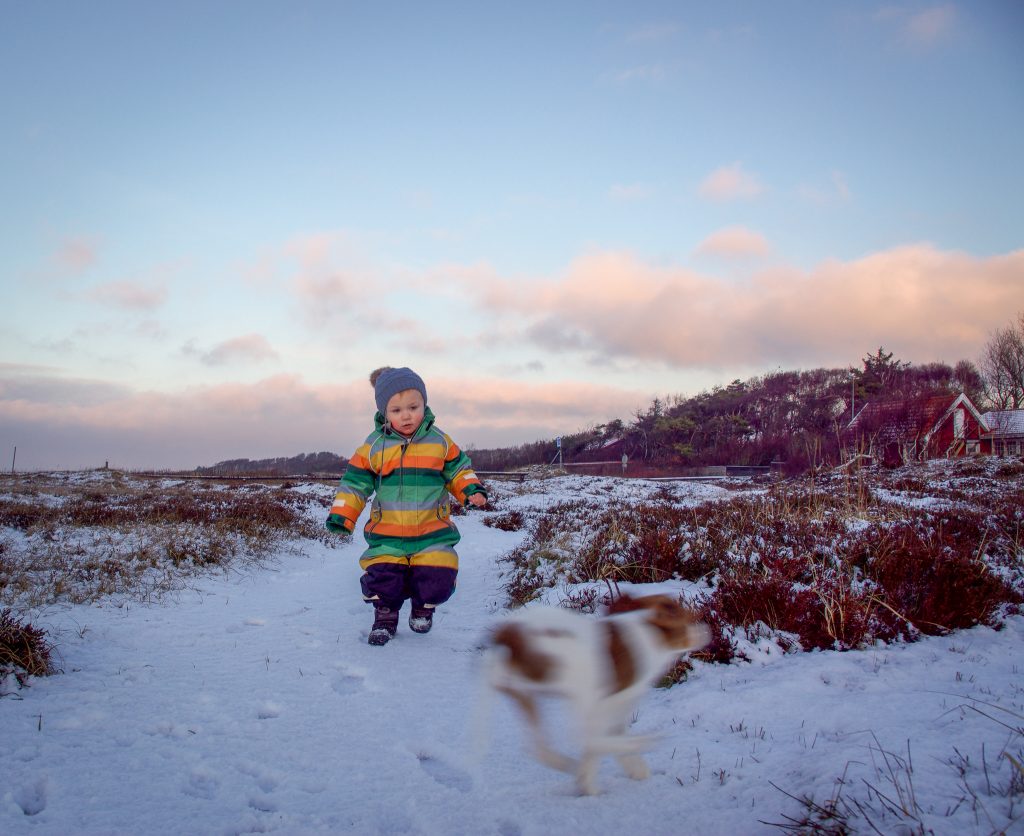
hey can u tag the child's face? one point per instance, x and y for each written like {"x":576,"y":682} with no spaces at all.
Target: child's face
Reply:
{"x":405,"y":411}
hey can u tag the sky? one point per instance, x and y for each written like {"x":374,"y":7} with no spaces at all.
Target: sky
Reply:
{"x":220,"y":217}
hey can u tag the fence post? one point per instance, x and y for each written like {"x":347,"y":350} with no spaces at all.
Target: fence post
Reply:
{"x":14,"y":458}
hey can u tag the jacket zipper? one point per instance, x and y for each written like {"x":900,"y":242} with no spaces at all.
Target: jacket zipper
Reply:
{"x":401,"y":476}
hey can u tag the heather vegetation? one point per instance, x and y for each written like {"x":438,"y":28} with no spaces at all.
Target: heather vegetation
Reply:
{"x":67,"y":538}
{"x":71,"y":542}
{"x":24,"y":649}
{"x":836,"y":561}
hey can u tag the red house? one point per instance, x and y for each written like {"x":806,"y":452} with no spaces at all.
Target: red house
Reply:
{"x":915,"y":429}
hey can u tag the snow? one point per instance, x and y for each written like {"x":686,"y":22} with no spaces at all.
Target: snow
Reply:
{"x":252,"y":703}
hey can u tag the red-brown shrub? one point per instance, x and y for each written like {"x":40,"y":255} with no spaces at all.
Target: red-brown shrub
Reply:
{"x":934,"y":579}
{"x":22,"y":515}
{"x":653,"y":551}
{"x":509,"y":521}
{"x":748,"y":595}
{"x":722,"y":647}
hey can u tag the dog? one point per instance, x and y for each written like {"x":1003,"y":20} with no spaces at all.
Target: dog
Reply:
{"x":601,"y":666}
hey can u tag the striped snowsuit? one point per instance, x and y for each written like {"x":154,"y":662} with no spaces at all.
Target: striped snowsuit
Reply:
{"x":410,"y":535}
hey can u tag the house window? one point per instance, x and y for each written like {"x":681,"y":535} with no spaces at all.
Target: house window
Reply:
{"x":999,"y":447}
{"x":973,"y":448}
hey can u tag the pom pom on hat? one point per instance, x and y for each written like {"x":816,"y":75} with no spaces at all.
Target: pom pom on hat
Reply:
{"x":388,"y":382}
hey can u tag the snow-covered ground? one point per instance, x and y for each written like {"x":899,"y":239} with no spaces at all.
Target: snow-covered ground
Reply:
{"x":252,"y":703}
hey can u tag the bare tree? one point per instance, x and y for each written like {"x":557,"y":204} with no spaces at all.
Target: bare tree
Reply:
{"x":1002,"y":366}
{"x":968,"y":379}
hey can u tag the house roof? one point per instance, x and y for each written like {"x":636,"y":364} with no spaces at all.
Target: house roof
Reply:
{"x":902,"y":420}
{"x":1005,"y":421}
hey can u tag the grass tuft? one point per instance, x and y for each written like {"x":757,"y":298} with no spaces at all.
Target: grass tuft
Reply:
{"x":24,"y":649}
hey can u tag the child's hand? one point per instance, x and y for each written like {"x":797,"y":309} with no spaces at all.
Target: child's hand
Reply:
{"x":478,"y":499}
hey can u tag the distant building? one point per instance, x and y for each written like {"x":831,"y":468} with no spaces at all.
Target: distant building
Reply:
{"x":914,"y":429}
{"x":1006,"y":432}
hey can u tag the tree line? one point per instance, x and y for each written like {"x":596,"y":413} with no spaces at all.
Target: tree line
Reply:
{"x":300,"y":465}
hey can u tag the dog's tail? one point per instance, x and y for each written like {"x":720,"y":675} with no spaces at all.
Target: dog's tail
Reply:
{"x":623,"y":744}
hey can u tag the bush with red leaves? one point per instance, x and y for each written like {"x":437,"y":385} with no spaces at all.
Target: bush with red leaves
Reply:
{"x":932,"y":579}
{"x":509,"y":521}
{"x":722,"y":647}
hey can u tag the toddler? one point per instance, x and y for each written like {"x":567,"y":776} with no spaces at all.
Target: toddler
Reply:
{"x":411,"y":467}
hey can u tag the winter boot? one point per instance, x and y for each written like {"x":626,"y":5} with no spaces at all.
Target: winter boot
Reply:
{"x":385,"y":625}
{"x":421,"y":619}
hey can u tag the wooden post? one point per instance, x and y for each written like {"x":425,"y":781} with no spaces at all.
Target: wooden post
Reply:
{"x":14,"y":458}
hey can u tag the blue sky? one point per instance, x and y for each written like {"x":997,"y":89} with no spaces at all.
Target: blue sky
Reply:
{"x":221,"y":216}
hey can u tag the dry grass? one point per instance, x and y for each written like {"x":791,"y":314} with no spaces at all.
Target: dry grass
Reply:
{"x":75,"y":538}
{"x":24,"y":649}
{"x":72,"y":538}
{"x":507,"y":521}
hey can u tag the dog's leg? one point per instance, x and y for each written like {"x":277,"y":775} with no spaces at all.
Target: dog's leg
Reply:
{"x":609,"y":737}
{"x":594,"y":722}
{"x":545,"y":754}
{"x":586,"y":774}
{"x":633,"y":765}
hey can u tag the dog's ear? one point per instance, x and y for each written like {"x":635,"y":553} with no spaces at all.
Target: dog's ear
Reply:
{"x":678,"y":624}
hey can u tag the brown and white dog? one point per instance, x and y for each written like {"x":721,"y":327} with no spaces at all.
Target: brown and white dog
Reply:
{"x":601,"y":666}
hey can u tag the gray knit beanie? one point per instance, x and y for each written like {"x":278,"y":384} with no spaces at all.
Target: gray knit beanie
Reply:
{"x":392,"y":381}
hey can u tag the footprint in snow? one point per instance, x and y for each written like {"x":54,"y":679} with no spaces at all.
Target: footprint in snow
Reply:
{"x":263,"y":803}
{"x":445,"y":774}
{"x":301,"y":611}
{"x":202,"y":783}
{"x":32,"y":798}
{"x":249,"y":622}
{"x":266,"y":780}
{"x":347,"y":684}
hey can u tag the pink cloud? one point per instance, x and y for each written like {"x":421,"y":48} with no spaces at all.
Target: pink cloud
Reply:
{"x":249,"y":348}
{"x":728,"y":183}
{"x":129,"y":295}
{"x":496,"y":408}
{"x":76,"y":254}
{"x":653,"y":32}
{"x":925,"y":303}
{"x":331,"y":278}
{"x":932,"y":24}
{"x":62,"y":423}
{"x":734,"y":242}
{"x":924,"y":28}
